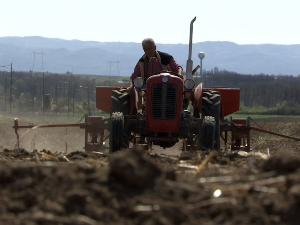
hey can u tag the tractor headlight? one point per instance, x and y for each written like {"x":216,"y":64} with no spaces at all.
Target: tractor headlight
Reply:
{"x":138,"y":82}
{"x":189,"y":84}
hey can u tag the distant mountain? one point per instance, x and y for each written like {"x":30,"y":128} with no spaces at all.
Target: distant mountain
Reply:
{"x":119,"y":58}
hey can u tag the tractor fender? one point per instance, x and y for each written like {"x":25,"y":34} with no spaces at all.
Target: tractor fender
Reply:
{"x":197,"y":103}
{"x":135,"y":100}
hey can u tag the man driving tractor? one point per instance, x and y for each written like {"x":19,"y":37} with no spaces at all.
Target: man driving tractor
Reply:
{"x":154,"y":61}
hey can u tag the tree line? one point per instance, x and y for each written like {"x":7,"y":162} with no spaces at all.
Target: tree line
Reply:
{"x":50,"y":92}
{"x":261,"y":93}
{"x":69,"y":93}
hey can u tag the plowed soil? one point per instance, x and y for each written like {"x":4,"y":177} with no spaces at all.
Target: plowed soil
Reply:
{"x":51,"y":180}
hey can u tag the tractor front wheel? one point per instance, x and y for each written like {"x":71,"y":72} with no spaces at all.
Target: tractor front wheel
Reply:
{"x":208,"y":133}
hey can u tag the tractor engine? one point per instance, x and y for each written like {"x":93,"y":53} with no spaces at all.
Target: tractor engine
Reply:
{"x":163,"y":109}
{"x":164,"y":103}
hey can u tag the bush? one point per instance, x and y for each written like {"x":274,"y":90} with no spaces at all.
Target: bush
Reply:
{"x":280,"y":109}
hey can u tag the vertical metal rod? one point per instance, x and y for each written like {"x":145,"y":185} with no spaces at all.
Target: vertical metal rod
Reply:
{"x":42,"y":61}
{"x":109,"y":67}
{"x":201,"y":75}
{"x":88,"y":96}
{"x":201,"y":68}
{"x":33,"y":98}
{"x":16,"y":125}
{"x":68,"y":97}
{"x":33,"y":62}
{"x":66,"y":140}
{"x":10,"y":98}
{"x":73,"y":96}
{"x":118,"y":68}
{"x":5,"y":93}
{"x":56,"y":106}
{"x":43,"y":102}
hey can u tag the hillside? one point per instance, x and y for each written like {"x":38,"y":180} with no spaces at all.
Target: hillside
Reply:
{"x":119,"y":58}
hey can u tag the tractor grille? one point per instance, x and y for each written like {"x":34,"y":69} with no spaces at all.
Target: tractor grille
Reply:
{"x":164,"y":101}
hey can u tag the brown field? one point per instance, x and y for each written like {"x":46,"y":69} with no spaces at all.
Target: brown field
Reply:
{"x":132,"y":187}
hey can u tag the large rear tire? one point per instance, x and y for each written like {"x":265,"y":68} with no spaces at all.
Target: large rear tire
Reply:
{"x":117,"y":138}
{"x":211,"y":108}
{"x":120,"y":101}
{"x":120,"y":106}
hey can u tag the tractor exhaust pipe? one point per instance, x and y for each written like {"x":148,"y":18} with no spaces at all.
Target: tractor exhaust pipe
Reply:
{"x":189,"y":63}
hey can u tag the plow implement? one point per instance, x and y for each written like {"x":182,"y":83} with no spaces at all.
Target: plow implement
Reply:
{"x":238,"y":132}
{"x":235,"y":133}
{"x":95,"y":128}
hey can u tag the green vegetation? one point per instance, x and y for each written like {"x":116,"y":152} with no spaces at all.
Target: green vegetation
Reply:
{"x":52,"y":94}
{"x":63,"y":94}
{"x":280,"y":109}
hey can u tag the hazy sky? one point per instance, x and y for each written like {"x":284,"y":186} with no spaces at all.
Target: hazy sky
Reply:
{"x":166,"y":21}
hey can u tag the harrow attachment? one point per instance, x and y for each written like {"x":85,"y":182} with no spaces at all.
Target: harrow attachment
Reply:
{"x":96,"y":131}
{"x":236,"y":133}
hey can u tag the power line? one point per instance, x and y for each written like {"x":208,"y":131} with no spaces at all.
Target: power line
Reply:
{"x":117,"y":62}
{"x":38,"y":53}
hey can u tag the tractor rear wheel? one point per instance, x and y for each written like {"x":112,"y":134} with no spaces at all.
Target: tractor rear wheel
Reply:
{"x":211,"y":107}
{"x":117,"y":138}
{"x":120,"y":101}
{"x":208,"y":133}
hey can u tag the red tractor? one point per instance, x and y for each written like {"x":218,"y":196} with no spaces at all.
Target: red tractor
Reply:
{"x":156,"y":111}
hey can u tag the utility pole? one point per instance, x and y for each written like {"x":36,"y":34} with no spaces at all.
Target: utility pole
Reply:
{"x":10,"y":97}
{"x":88,"y":96}
{"x":33,"y":98}
{"x":32,"y":70}
{"x":5,"y":90}
{"x":56,"y":106}
{"x":38,"y":53}
{"x":73,"y":96}
{"x":43,"y":98}
{"x":117,"y":62}
{"x":69,"y":97}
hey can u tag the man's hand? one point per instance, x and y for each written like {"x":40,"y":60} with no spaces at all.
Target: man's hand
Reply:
{"x":153,"y":60}
{"x":179,"y":71}
{"x":130,"y":88}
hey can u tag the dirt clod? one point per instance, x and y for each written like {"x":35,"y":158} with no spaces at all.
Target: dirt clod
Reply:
{"x":133,"y":169}
{"x":282,"y":162}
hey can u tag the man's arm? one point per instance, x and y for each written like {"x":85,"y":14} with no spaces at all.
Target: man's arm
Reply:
{"x":175,"y":67}
{"x":136,"y":72}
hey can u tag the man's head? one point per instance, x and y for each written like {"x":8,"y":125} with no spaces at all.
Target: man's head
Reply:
{"x":149,"y":47}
